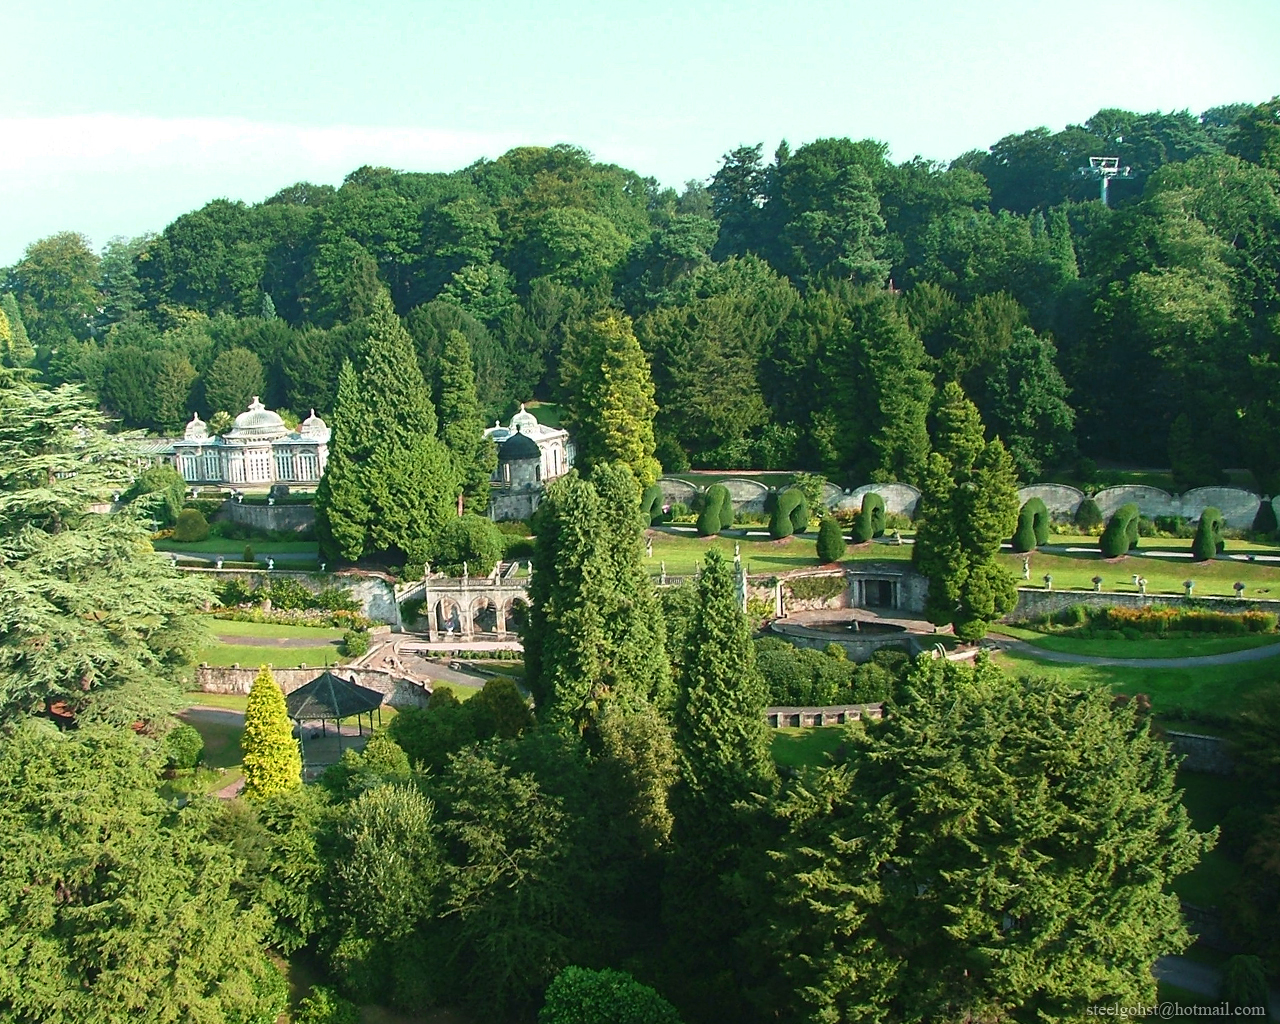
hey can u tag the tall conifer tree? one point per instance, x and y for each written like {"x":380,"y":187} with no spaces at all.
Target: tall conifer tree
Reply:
{"x":342,"y":514}
{"x":595,"y":629}
{"x":461,"y":425}
{"x":612,"y":404}
{"x":968,"y":505}
{"x":272,"y":762}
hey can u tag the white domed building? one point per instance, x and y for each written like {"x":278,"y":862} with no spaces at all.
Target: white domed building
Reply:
{"x":530,"y":455}
{"x":259,"y":450}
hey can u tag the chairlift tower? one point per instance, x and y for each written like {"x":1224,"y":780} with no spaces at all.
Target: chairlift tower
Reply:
{"x":1104,"y":168}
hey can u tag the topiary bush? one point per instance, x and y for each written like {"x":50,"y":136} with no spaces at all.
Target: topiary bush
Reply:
{"x":191,"y":527}
{"x":1209,"y":540}
{"x":831,"y":546}
{"x":651,"y":504}
{"x":870,"y":521}
{"x":790,"y":514}
{"x":1121,"y":534}
{"x":1264,"y":522}
{"x":717,"y":511}
{"x":1088,"y":516}
{"x":1033,"y":526}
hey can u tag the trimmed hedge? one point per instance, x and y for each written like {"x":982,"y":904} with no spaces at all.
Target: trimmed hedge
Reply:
{"x":191,"y":527}
{"x":651,"y":504}
{"x":1088,"y":516}
{"x":790,"y":514}
{"x":869,"y":522}
{"x":1265,"y":521}
{"x":1209,"y":540}
{"x":1121,"y":534}
{"x":717,"y":511}
{"x":831,"y":546}
{"x":1033,"y":526}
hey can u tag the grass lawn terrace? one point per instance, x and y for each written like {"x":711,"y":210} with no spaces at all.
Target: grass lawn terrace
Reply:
{"x":760,"y":553}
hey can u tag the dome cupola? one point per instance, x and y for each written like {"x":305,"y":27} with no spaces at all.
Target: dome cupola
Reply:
{"x":258,"y":423}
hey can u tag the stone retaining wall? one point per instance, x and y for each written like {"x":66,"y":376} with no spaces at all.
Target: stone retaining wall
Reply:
{"x":1033,"y":602}
{"x":281,"y":518}
{"x":376,"y":595}
{"x":400,"y":692}
{"x":1208,"y":754}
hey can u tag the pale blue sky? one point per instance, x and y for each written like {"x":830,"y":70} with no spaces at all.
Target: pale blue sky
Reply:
{"x":115,"y":118}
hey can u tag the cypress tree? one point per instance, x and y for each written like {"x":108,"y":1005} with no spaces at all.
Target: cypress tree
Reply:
{"x":968,"y":505}
{"x":272,"y":763}
{"x":721,"y":696}
{"x":409,"y":480}
{"x":613,"y":406}
{"x":342,"y":513}
{"x":461,"y":424}
{"x":595,"y":630}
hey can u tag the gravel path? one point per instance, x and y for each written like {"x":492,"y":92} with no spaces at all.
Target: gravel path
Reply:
{"x":240,"y":640}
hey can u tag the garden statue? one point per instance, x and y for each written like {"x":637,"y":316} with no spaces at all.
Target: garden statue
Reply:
{"x":648,"y":547}
{"x":1048,"y":581}
{"x":271,"y":564}
{"x":662,"y":580}
{"x":1026,"y":567}
{"x":218,"y":562}
{"x":1142,"y":584}
{"x":1097,"y":584}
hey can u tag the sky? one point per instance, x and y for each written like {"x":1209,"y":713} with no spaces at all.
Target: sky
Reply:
{"x":116,"y":118}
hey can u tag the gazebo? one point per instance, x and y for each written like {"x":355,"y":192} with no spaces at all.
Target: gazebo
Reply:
{"x":329,"y":696}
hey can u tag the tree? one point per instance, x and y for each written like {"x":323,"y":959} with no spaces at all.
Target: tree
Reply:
{"x":232,"y":381}
{"x":471,"y":539}
{"x":114,"y":903}
{"x":409,"y":480}
{"x":720,"y":731}
{"x":581,"y":996}
{"x":595,"y":630}
{"x":612,"y":406}
{"x":1209,"y":541}
{"x":90,"y":617}
{"x":159,"y":492}
{"x":174,"y":377}
{"x":968,"y":506}
{"x":55,"y":287}
{"x":342,"y":512}
{"x":970,"y":832}
{"x":1025,"y":403}
{"x":272,"y":761}
{"x":461,"y":425}
{"x":19,"y":351}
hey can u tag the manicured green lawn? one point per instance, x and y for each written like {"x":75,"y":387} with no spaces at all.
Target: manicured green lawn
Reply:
{"x":234,"y":548}
{"x":1075,"y":571}
{"x":798,"y":748}
{"x":1216,"y":688}
{"x":224,"y":655}
{"x":759,"y":554}
{"x":1173,"y":647}
{"x":229,"y":627}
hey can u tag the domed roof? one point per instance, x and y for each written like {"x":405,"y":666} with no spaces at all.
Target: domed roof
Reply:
{"x":314,"y":427}
{"x":197,"y":429}
{"x":519,"y":447}
{"x":258,"y":422}
{"x":524,"y":421}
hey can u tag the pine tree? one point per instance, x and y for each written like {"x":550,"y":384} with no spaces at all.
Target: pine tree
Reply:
{"x":342,"y":513}
{"x":461,"y":424}
{"x":267,"y":310}
{"x":612,"y":405}
{"x":409,"y":482}
{"x":89,"y":616}
{"x":968,"y":505}
{"x":272,"y":761}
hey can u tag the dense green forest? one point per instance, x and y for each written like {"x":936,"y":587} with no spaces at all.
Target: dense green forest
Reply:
{"x":797,"y":312}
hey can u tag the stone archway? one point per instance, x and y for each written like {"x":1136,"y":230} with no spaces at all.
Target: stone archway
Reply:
{"x":484,"y":615}
{"x":517,"y":614}
{"x":448,"y":616}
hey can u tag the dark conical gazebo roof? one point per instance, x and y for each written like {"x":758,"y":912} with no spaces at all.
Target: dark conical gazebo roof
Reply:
{"x":330,"y":696}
